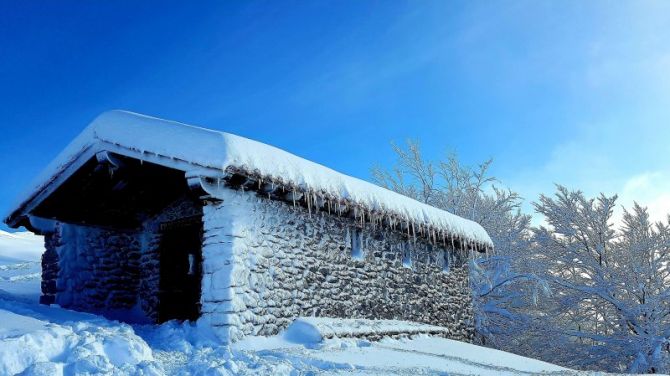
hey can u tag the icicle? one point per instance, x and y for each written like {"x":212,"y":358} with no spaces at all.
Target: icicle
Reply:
{"x":293,"y":196}
{"x":313,"y":203}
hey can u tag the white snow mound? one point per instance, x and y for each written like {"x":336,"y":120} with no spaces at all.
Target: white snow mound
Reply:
{"x":34,"y":346}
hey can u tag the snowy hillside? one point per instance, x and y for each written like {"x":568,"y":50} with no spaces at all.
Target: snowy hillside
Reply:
{"x":41,"y":340}
{"x":20,"y":246}
{"x":20,"y":270}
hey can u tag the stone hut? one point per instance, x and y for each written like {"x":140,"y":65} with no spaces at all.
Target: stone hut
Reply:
{"x":149,"y":220}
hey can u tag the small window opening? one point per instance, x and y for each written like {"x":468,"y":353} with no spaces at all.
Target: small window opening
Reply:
{"x":407,"y":255}
{"x":357,"y":245}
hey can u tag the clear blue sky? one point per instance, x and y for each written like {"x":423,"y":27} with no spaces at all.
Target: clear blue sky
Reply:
{"x":568,"y":91}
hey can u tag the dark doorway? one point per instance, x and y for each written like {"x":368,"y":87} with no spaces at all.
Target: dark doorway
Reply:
{"x":180,"y":269}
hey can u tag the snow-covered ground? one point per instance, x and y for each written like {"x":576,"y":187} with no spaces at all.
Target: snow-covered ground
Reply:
{"x":20,"y":246}
{"x":41,"y":340}
{"x":20,"y":270}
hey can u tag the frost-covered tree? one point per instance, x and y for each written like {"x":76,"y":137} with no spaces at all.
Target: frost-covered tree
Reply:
{"x":577,"y":291}
{"x":611,"y":289}
{"x":474,"y":194}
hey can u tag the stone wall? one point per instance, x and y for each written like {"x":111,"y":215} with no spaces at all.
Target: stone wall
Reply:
{"x":50,"y":266}
{"x":91,"y":269}
{"x":104,"y":270}
{"x":266,"y":263}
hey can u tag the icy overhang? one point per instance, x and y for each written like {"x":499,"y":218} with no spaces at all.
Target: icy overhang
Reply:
{"x":212,"y":153}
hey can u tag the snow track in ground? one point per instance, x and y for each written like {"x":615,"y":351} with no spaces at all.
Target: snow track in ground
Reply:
{"x":402,"y":357}
{"x":19,"y":266}
{"x":23,"y":277}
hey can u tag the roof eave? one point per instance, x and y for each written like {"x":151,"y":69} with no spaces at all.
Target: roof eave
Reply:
{"x":19,"y":216}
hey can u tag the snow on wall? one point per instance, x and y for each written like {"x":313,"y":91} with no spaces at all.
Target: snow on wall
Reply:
{"x":221,"y":306}
{"x":189,"y":148}
{"x":266,"y":263}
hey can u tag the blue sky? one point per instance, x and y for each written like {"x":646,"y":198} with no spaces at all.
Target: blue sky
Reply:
{"x":572,"y":92}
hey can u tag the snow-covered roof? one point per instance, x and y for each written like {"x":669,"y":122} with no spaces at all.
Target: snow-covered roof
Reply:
{"x":190,"y":148}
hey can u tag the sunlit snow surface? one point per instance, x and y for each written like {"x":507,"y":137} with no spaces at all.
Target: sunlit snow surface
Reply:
{"x":41,"y":340}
